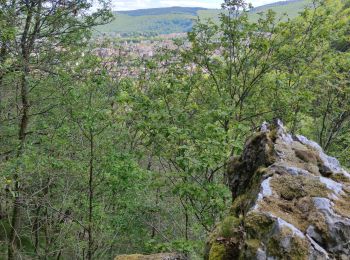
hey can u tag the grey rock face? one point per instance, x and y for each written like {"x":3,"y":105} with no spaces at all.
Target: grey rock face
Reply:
{"x":290,"y":201}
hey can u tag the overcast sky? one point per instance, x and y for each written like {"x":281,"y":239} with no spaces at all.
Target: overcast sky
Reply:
{"x":120,"y":5}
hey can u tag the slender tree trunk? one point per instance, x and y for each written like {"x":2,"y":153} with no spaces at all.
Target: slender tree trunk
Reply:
{"x":186,"y":223}
{"x":157,"y":204}
{"x":24,"y":118}
{"x":36,"y":230}
{"x":91,"y":196}
{"x":2,"y":58}
{"x":15,"y":219}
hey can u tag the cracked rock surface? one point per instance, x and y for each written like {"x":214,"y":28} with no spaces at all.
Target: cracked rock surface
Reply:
{"x":290,"y":201}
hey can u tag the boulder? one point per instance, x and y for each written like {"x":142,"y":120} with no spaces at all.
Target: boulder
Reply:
{"x":290,"y":201}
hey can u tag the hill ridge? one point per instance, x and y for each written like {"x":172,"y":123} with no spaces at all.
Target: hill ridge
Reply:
{"x":162,"y":10}
{"x":177,"y":19}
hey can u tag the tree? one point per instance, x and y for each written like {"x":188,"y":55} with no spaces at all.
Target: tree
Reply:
{"x":45,"y":31}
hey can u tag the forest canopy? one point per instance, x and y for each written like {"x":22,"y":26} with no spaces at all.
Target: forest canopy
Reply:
{"x":101,"y":156}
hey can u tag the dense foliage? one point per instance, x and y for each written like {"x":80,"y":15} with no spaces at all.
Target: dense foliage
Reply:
{"x":101,"y":156}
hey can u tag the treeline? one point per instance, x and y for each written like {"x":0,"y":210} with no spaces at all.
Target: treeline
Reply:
{"x":94,"y":163}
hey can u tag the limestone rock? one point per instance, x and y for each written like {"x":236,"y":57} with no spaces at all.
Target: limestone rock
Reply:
{"x":290,"y":201}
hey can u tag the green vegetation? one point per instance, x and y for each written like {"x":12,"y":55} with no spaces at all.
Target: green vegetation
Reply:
{"x":161,"y":11}
{"x":181,"y":19}
{"x":155,"y":24}
{"x":103,"y":155}
{"x":282,"y":9}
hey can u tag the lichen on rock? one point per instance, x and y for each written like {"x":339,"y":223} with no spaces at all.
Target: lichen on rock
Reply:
{"x":290,"y":201}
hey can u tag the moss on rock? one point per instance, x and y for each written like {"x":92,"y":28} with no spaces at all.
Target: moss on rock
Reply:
{"x":300,"y":213}
{"x":251,"y":248}
{"x":129,"y":257}
{"x":229,"y":227}
{"x":291,"y":187}
{"x":160,"y":256}
{"x":286,"y":245}
{"x":217,"y":251}
{"x":342,"y":206}
{"x":306,"y":156}
{"x":339,"y":177}
{"x":299,"y":249}
{"x":273,"y":218}
{"x":257,"y":224}
{"x":242,"y":204}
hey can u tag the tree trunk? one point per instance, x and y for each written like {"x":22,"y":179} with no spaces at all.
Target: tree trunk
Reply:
{"x":23,"y":125}
{"x":91,"y":196}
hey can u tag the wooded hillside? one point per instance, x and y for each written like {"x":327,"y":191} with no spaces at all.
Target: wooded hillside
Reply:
{"x":102,"y":155}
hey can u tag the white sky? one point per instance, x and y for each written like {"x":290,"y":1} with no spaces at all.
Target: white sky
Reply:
{"x":120,"y":5}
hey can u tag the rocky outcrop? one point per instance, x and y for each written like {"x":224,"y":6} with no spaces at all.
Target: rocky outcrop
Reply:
{"x":290,"y":201}
{"x":163,"y":256}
